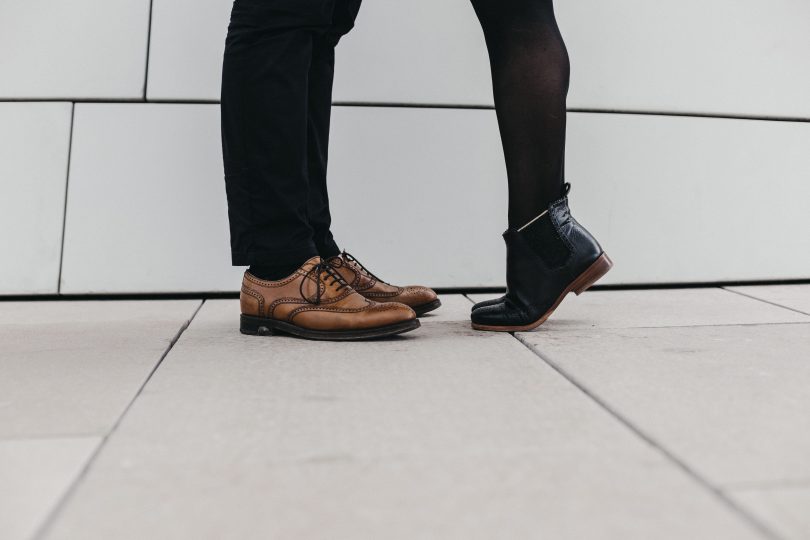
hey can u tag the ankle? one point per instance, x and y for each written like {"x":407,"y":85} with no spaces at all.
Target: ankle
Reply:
{"x":522,"y":215}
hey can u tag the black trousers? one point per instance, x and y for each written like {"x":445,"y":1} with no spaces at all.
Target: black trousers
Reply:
{"x":276,"y":104}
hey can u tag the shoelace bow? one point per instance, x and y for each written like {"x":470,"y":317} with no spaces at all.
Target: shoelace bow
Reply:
{"x":321,"y":269}
{"x":350,"y":258}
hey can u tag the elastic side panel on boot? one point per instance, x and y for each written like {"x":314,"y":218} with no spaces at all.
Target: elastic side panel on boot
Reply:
{"x":545,"y":241}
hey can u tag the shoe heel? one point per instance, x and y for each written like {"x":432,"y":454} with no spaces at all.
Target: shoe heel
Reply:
{"x":254,"y":326}
{"x":594,"y":273}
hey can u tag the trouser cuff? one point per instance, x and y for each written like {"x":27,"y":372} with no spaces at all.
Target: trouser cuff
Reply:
{"x":274,"y":257}
{"x":328,"y":249}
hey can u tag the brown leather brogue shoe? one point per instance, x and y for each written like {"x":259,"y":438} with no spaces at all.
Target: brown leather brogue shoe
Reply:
{"x":420,"y":299}
{"x":315,"y":302}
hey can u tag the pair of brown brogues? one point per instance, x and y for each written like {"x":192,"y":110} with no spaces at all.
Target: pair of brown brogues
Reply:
{"x":335,"y":299}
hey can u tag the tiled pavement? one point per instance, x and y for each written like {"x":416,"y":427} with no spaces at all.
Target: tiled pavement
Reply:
{"x":659,"y":414}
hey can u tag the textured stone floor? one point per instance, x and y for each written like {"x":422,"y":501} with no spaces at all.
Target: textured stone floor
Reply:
{"x":657,"y":414}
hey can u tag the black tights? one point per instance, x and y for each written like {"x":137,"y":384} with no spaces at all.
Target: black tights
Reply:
{"x":530,"y":74}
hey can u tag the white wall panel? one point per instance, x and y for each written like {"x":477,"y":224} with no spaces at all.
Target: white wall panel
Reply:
{"x":419,"y":194}
{"x":146,"y":208}
{"x":417,"y":51}
{"x":672,"y":199}
{"x":727,"y":57}
{"x":73,"y":49}
{"x":146,"y":203}
{"x":34,"y":141}
{"x":679,"y":199}
{"x":737,"y":57}
{"x":185,"y":54}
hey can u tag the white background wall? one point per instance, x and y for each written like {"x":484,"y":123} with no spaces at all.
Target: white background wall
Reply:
{"x":111,"y":178}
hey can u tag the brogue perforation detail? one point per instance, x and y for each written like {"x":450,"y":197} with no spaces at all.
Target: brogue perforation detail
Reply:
{"x":258,"y":296}
{"x":313,"y":307}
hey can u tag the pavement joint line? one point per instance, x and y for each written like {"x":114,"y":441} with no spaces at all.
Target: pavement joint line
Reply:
{"x":767,"y":485}
{"x":723,"y":325}
{"x":751,"y":520}
{"x":765,"y":301}
{"x":56,"y":437}
{"x":575,"y":330}
{"x":60,"y":505}
{"x":570,"y":331}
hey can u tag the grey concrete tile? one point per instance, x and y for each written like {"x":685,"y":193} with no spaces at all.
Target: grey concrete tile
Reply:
{"x":34,"y":475}
{"x":70,"y":368}
{"x":785,"y":510}
{"x":659,"y":308}
{"x":454,"y":308}
{"x":441,"y":433}
{"x":731,"y":401}
{"x":791,"y":296}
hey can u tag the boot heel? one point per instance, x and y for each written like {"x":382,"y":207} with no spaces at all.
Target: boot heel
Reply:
{"x":594,"y":273}
{"x":254,"y":326}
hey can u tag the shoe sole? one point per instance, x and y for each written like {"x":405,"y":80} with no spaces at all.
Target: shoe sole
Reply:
{"x":585,"y":281}
{"x":427,"y":308}
{"x":260,"y":326}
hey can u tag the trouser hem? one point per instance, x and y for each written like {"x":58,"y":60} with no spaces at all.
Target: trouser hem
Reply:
{"x":327,"y":250}
{"x":273,"y":257}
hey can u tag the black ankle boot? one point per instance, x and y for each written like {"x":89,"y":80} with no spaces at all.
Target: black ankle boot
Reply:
{"x":545,"y":260}
{"x":486,"y":303}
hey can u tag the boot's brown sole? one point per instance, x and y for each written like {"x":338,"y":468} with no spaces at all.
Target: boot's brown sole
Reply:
{"x":427,"y":308}
{"x":260,"y":326}
{"x":586,"y":279}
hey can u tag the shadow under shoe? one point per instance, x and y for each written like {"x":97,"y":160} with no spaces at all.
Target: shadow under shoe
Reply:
{"x":545,"y":260}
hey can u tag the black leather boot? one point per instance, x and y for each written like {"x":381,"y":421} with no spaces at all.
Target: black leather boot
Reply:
{"x":545,"y":260}
{"x":490,"y":302}
{"x":485,"y":303}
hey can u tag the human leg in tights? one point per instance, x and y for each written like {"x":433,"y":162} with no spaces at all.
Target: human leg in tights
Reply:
{"x":548,"y":253}
{"x":530,"y":72}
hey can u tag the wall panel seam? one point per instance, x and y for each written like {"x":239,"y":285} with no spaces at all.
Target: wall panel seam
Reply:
{"x":65,"y":203}
{"x":148,"y":49}
{"x":447,"y":106}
